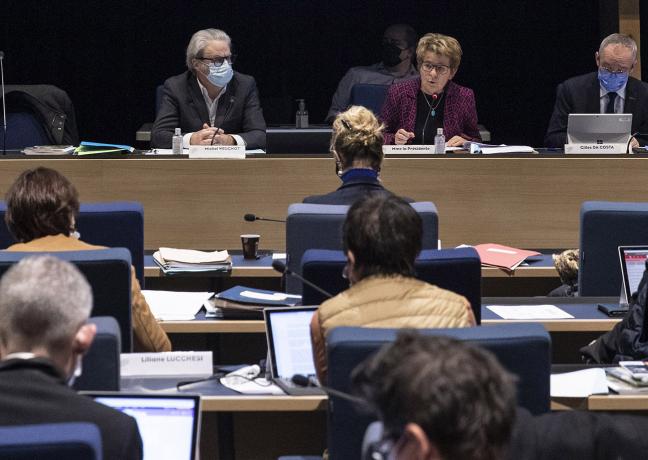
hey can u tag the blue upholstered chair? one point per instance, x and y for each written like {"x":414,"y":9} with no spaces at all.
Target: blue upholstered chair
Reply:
{"x":108,"y":272}
{"x":369,"y":96}
{"x":605,"y":225}
{"x":116,"y":224}
{"x":458,"y":270}
{"x":24,"y":129}
{"x":70,"y":441}
{"x":101,"y":363}
{"x":319,"y":226}
{"x":523,"y":349}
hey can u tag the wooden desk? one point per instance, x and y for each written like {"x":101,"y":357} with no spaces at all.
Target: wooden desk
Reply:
{"x":611,"y":402}
{"x":530,"y":201}
{"x":263,"y":403}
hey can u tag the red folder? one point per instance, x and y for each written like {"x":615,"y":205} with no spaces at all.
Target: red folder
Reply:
{"x":505,"y":257}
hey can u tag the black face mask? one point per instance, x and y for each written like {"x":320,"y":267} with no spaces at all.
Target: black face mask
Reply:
{"x":391,"y":55}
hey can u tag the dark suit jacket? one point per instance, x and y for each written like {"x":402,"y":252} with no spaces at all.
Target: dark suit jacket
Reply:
{"x":183,"y":106}
{"x":459,"y":117}
{"x":350,"y":191}
{"x":32,"y":391}
{"x":582,"y":95}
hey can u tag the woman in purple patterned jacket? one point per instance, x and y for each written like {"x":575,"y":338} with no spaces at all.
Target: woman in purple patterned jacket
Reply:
{"x":414,"y":109}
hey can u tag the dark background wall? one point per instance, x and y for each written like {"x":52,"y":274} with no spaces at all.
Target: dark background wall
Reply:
{"x":109,"y":56}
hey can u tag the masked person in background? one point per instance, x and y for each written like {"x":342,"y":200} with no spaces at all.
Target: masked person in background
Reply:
{"x":211,"y":103}
{"x":398,"y":44}
{"x":610,"y":90}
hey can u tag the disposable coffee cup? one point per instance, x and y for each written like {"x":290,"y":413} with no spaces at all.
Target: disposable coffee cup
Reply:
{"x":250,"y":246}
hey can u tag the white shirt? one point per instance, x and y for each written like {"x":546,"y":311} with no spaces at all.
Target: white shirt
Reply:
{"x":619,"y":102}
{"x":212,"y":107}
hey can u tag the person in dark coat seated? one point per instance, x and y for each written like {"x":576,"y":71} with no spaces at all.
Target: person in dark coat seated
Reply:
{"x":356,"y":146}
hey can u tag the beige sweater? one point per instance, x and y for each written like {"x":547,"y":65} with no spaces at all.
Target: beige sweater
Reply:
{"x":388,"y":302}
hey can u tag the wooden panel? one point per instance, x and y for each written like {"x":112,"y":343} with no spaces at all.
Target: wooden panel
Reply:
{"x":529,"y":202}
{"x":262,"y":403}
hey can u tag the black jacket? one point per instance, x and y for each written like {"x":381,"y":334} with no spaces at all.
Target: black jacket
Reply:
{"x":33,"y":391}
{"x":350,"y":191}
{"x":183,"y":106}
{"x":582,"y":95}
{"x":51,"y":105}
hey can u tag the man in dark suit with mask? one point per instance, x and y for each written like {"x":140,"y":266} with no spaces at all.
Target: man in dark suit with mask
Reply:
{"x":44,"y":331}
{"x":210,"y":102}
{"x":398,"y":49}
{"x":610,"y":90}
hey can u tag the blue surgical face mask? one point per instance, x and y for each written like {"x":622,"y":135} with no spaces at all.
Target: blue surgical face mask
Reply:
{"x":220,"y":76}
{"x":611,"y":81}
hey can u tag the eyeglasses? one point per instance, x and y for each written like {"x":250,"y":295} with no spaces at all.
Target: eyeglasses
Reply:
{"x":439,"y":68}
{"x":616,"y":72}
{"x":218,"y":60}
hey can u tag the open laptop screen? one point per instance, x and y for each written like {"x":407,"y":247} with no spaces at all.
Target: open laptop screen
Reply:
{"x":289,"y":341}
{"x":633,"y":264}
{"x":168,"y":425}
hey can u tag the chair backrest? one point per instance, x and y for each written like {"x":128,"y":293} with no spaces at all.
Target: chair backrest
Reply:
{"x":71,"y":441}
{"x":101,"y":364}
{"x":319,"y":226}
{"x":159,"y":91}
{"x":24,"y":129}
{"x":114,"y":224}
{"x":457,"y":270}
{"x":109,"y":273}
{"x":604,"y":226}
{"x":369,"y":96}
{"x":523,"y":349}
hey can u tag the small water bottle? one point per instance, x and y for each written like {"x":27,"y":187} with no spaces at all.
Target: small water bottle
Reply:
{"x":439,"y":141}
{"x":176,"y":142}
{"x":301,"y":117}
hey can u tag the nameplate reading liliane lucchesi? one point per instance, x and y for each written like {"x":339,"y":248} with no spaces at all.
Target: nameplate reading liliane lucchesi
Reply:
{"x":171,"y":363}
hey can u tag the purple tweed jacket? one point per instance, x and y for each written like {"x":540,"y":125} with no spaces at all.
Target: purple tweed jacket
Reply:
{"x":459,"y":118}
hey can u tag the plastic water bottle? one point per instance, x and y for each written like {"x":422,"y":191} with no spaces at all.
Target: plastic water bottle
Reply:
{"x":439,"y":141}
{"x":176,"y":142}
{"x":301,"y":117}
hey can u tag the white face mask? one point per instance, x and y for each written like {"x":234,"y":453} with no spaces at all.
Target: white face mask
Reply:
{"x":220,"y":76}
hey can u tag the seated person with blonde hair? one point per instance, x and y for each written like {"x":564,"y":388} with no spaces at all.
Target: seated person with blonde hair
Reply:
{"x":382,"y":236}
{"x":356,"y":145}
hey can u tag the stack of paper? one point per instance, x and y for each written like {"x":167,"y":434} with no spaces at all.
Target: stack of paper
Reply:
{"x":173,"y":261}
{"x":627,"y":380}
{"x":93,"y":148}
{"x":579,"y":384}
{"x":505,"y":257}
{"x":175,"y":306}
{"x":49,"y":150}
{"x":489,"y":149}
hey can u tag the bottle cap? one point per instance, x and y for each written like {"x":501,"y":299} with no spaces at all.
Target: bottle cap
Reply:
{"x":439,"y":131}
{"x":178,"y":132}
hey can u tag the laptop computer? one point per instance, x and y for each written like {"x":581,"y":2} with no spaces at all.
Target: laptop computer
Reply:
{"x":168,"y":424}
{"x":599,"y":128}
{"x":289,"y":347}
{"x":632,"y":260}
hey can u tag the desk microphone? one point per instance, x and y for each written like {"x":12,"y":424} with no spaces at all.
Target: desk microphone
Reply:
{"x":304,"y":381}
{"x":227,"y":112}
{"x":253,"y":217}
{"x":4,"y":106}
{"x":281,"y":268}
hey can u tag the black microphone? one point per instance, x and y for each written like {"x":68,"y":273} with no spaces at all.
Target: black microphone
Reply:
{"x":227,"y":112}
{"x":281,"y":268}
{"x":253,"y":217}
{"x":304,"y":381}
{"x":4,"y":107}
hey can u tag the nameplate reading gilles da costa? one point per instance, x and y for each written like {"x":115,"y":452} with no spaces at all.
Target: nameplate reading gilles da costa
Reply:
{"x":171,"y":358}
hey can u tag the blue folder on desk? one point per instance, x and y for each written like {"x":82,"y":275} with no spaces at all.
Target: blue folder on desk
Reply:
{"x":250,"y":296}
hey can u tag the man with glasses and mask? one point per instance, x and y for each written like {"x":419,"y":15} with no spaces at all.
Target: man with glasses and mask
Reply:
{"x":211,"y":103}
{"x":398,"y":43}
{"x":610,"y":90}
{"x":44,"y":332}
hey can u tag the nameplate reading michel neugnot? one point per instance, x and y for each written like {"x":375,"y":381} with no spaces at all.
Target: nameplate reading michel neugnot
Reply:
{"x":234,"y":152}
{"x":173,"y":363}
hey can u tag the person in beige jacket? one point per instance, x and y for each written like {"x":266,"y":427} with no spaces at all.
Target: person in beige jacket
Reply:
{"x":382,"y":237}
{"x":41,"y":209}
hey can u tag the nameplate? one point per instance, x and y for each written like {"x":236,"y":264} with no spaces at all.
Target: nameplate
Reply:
{"x":171,"y":363}
{"x":408,"y":149}
{"x":596,"y":148}
{"x":234,"y":152}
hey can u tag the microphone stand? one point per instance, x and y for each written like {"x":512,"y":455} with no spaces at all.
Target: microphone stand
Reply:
{"x":4,"y":107}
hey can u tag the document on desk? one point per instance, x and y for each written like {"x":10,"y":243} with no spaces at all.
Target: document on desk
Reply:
{"x":579,"y":384}
{"x":175,"y":306}
{"x":529,"y":312}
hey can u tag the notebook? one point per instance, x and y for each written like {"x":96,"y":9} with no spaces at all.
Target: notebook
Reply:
{"x":289,"y":347}
{"x":168,"y":424}
{"x":633,"y":263}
